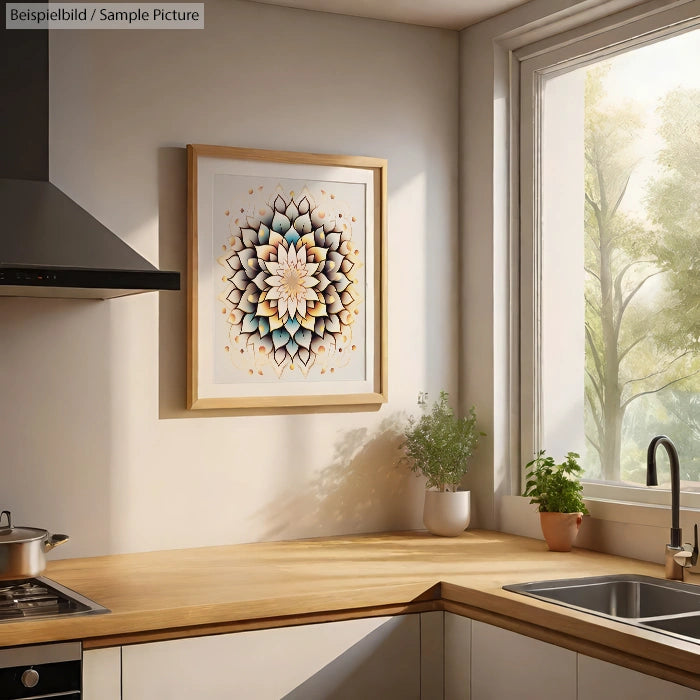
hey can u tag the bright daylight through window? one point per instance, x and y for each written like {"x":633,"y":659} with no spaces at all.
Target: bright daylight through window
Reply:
{"x":617,"y":177}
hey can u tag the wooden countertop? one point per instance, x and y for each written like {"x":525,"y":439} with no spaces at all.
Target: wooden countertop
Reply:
{"x":190,"y":592}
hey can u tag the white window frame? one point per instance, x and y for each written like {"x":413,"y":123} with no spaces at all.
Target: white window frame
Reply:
{"x":530,"y":65}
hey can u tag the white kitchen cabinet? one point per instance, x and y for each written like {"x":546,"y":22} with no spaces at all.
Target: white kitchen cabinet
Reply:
{"x":427,"y":656}
{"x":599,"y":680}
{"x":365,"y":658}
{"x":509,"y":665}
{"x":505,"y":664}
{"x":458,"y":637}
{"x":102,"y":674}
{"x":432,"y":655}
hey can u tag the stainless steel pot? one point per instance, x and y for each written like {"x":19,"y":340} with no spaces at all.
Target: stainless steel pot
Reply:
{"x":23,"y":549}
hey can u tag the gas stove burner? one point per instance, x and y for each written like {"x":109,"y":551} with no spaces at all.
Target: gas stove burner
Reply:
{"x":40,"y":597}
{"x":28,"y":598}
{"x":21,"y":588}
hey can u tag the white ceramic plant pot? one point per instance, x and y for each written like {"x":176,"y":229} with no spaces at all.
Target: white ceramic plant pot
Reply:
{"x":447,"y":513}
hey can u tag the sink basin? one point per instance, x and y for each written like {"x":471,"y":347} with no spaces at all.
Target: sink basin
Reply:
{"x":687,"y":626}
{"x":626,"y":596}
{"x":643,"y":601}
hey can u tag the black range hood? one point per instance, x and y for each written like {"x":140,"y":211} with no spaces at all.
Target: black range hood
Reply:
{"x":49,"y":245}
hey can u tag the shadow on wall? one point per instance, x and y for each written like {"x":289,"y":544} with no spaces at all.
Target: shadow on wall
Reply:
{"x":363,"y":489}
{"x":383,"y":664}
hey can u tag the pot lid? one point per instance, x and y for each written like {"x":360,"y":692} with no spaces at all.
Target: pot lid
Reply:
{"x":11,"y":535}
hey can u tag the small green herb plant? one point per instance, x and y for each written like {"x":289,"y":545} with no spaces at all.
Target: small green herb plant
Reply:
{"x":555,"y":488}
{"x":438,"y":445}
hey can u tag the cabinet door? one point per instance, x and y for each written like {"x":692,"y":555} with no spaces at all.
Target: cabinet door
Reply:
{"x":509,"y":665}
{"x":599,"y":680}
{"x":458,"y":637}
{"x":432,"y":655}
{"x":367,"y":658}
{"x":102,"y":674}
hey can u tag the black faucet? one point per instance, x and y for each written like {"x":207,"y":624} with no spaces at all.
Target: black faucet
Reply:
{"x":677,"y":557}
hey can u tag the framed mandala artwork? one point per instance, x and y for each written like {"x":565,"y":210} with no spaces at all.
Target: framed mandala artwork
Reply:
{"x":286,"y":279}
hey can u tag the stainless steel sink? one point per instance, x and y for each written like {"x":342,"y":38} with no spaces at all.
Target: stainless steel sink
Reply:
{"x":658,"y":604}
{"x":686,"y":626}
{"x":619,"y":596}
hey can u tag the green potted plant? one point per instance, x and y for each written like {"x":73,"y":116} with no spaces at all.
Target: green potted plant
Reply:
{"x":438,"y":446}
{"x":557,"y":491}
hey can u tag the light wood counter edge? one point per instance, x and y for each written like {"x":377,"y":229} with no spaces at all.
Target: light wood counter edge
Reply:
{"x":259,"y":624}
{"x":119,"y":627}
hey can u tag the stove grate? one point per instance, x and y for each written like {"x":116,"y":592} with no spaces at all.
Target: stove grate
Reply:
{"x":40,"y":597}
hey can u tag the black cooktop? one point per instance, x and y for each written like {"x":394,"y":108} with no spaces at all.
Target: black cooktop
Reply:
{"x":41,"y":597}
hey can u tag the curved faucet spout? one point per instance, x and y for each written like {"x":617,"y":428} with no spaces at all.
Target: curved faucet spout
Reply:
{"x":675,"y":481}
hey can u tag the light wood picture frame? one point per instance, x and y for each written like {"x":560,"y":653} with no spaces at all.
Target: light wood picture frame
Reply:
{"x":287,"y":279}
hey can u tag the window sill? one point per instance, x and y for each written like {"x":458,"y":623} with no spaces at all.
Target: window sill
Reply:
{"x":649,"y":514}
{"x":633,"y":530}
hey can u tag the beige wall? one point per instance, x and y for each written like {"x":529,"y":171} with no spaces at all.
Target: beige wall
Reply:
{"x":95,"y":438}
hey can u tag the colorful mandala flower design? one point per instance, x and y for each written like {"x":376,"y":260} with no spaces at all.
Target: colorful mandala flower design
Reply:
{"x":291,"y":293}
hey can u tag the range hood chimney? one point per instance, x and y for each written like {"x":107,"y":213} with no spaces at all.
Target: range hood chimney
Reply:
{"x":49,"y":245}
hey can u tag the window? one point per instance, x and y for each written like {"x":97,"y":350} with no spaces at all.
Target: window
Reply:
{"x":610,"y":251}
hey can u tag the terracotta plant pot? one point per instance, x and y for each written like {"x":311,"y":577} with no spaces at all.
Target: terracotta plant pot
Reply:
{"x":560,"y":529}
{"x":447,"y":513}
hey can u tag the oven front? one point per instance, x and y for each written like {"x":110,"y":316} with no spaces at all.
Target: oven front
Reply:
{"x":41,"y":671}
